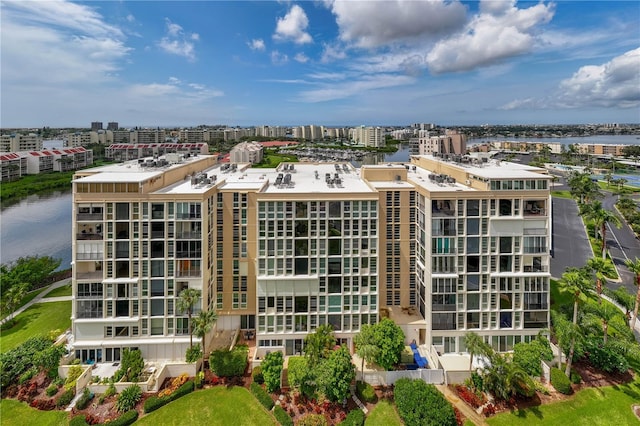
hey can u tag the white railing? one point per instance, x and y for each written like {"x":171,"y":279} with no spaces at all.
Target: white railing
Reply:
{"x":385,"y":378}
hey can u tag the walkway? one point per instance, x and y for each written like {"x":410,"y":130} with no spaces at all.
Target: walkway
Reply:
{"x":466,"y":410}
{"x":41,"y":299}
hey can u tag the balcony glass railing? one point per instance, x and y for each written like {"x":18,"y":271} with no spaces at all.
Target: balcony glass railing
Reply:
{"x":87,"y":236}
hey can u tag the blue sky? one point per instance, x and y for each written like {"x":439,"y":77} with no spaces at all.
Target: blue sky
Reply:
{"x":373,"y":62}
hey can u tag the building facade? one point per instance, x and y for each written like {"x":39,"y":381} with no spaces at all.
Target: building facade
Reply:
{"x":439,"y":247}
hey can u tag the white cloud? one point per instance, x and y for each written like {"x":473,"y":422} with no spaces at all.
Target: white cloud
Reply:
{"x":331,"y":53}
{"x":377,"y":23}
{"x":347,"y":89}
{"x":257,"y":44}
{"x":177,"y":42}
{"x":278,"y":58}
{"x":333,"y":76}
{"x":614,"y":83}
{"x":301,"y":57}
{"x":293,"y":27}
{"x":500,"y":31}
{"x":130,"y":18}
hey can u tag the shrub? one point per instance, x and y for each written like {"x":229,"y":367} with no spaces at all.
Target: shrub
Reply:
{"x":18,"y":360}
{"x":84,"y":400}
{"x":469,"y":396}
{"x":126,"y":419}
{"x":65,"y":398}
{"x":560,"y":381}
{"x":365,"y":392}
{"x":297,"y":369}
{"x":282,"y":416}
{"x":272,"y":370}
{"x":153,"y":403}
{"x":354,"y":418}
{"x":79,"y":420}
{"x":262,"y":396}
{"x":193,"y":354}
{"x":575,"y":377}
{"x":529,"y":355}
{"x":229,"y":363}
{"x":183,"y":390}
{"x":175,"y":384}
{"x":420,"y":403}
{"x":128,"y":398}
{"x":312,"y":420}
{"x":256,"y":375}
{"x":111,"y":390}
{"x":131,"y":365}
{"x":43,"y":404}
{"x":489,"y":410}
{"x":27,"y":375}
{"x":606,"y":357}
{"x":51,"y":390}
{"x":72,"y":376}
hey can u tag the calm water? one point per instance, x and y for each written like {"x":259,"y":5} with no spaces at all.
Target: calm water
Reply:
{"x":38,"y":225}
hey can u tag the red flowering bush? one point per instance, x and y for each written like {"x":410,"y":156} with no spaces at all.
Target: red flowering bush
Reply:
{"x":468,"y":396}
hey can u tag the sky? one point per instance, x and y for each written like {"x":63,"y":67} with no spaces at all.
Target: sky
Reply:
{"x":329,"y":62}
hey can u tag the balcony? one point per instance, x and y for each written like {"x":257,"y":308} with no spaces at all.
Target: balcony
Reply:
{"x":534,"y":208}
{"x":80,"y":217}
{"x":536,"y":268}
{"x":188,"y":273}
{"x":89,"y":256}
{"x":188,"y":235}
{"x":88,"y":236}
{"x":93,"y":275}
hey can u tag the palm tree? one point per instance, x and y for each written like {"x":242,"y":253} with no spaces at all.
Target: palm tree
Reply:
{"x":185,"y":303}
{"x":634,"y":266}
{"x":601,"y":218}
{"x":578,"y":284}
{"x":605,"y":313}
{"x":602,"y":268}
{"x":365,"y":346}
{"x":504,"y":379}
{"x":318,"y":344}
{"x":11,"y":298}
{"x":583,"y":187}
{"x":475,"y":346}
{"x":202,"y":324}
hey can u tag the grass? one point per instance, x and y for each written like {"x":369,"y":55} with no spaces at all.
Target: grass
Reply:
{"x":15,"y":413}
{"x":561,"y":194}
{"x":215,"y":406}
{"x":39,"y":319}
{"x":384,"y":414}
{"x":65,"y":290}
{"x":28,"y":298}
{"x":609,"y":405}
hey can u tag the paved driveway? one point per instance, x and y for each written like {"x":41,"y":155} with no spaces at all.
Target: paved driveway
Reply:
{"x":570,"y":244}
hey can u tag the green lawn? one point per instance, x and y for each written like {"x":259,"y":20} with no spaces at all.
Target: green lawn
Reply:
{"x":65,"y":290}
{"x":561,"y":194}
{"x":39,"y":319}
{"x":384,"y":414}
{"x":215,"y":406}
{"x":15,"y":413}
{"x":29,"y":297}
{"x":610,"y":405}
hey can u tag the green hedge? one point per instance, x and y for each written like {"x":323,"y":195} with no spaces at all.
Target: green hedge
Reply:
{"x":262,"y":396}
{"x":354,"y":418}
{"x":229,"y":363}
{"x":153,"y":403}
{"x":282,"y":416}
{"x":365,"y":392}
{"x":421,"y":404}
{"x":560,"y":381}
{"x":256,"y":374}
{"x":126,"y":419}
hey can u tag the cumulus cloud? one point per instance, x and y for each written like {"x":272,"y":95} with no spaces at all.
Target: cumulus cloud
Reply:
{"x":301,"y":57}
{"x":279,"y":58}
{"x":257,"y":44}
{"x":499,"y":31}
{"x":375,"y":23}
{"x":177,"y":42}
{"x":293,"y":27}
{"x":614,"y":83}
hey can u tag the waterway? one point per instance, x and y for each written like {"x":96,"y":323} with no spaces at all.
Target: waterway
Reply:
{"x":39,"y":225}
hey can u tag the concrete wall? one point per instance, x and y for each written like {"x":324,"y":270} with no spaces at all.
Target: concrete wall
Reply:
{"x":385,"y":378}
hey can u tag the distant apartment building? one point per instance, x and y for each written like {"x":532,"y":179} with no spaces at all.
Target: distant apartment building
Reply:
{"x":148,"y":136}
{"x":247,"y":152}
{"x":439,"y":247}
{"x":271,"y":131}
{"x":78,"y":139}
{"x":449,"y":143}
{"x":126,"y":152}
{"x":235,"y":134}
{"x":193,"y":135}
{"x":15,"y":142}
{"x":112,"y":125}
{"x":372,"y":137}
{"x":518,"y":146}
{"x":17,"y":164}
{"x":601,"y":149}
{"x":96,"y":125}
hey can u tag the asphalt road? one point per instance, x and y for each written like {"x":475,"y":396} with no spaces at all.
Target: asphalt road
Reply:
{"x":570,"y":244}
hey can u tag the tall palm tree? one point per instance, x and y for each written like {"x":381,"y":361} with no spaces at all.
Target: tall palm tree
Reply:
{"x":602,"y":269}
{"x":601,"y":217}
{"x":634,"y":266}
{"x":475,"y":346}
{"x":366,"y":347}
{"x":187,"y":299}
{"x":202,"y":324}
{"x":605,"y":313}
{"x":579,"y":285}
{"x":318,"y":344}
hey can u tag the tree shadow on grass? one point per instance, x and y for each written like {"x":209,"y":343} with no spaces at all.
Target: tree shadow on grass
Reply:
{"x":20,"y":322}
